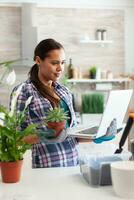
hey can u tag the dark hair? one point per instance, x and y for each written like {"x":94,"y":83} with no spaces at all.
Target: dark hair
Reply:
{"x":42,"y":50}
{"x":45,"y":46}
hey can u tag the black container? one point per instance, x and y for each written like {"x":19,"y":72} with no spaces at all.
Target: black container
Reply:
{"x":132,"y":148}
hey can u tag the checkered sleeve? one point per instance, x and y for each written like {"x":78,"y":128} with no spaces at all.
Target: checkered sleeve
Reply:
{"x":34,"y":114}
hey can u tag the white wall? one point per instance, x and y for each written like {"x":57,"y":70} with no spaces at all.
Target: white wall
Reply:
{"x":28,"y":30}
{"x":129,"y":40}
{"x":88,"y":3}
{"x":127,"y":5}
{"x":80,"y":3}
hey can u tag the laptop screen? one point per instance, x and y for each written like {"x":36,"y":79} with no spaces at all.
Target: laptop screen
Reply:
{"x":116,"y":108}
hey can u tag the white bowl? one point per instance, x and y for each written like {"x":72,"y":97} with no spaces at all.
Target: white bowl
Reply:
{"x":122,"y":173}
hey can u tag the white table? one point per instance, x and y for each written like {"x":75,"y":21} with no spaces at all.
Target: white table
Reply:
{"x":53,"y":184}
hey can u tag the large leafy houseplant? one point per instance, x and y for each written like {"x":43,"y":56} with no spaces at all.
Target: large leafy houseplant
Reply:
{"x":12,"y":145}
{"x":56,"y":119}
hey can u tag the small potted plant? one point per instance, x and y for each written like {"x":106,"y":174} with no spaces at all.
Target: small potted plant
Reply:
{"x":12,"y":145}
{"x":56,"y":119}
{"x":92,"y":72}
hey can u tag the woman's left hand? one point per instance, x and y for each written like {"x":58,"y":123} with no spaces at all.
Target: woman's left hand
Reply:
{"x":110,"y":133}
{"x":104,"y":138}
{"x":31,"y":139}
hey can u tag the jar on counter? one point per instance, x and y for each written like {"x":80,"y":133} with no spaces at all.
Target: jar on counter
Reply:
{"x":99,"y":34}
{"x":104,"y":34}
{"x":98,"y":73}
{"x":79,"y":73}
{"x":109,"y":74}
{"x":104,"y":74}
{"x":75,"y":73}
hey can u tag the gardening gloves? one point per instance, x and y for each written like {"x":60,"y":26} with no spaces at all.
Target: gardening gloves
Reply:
{"x":103,"y":139}
{"x":48,"y":136}
{"x":110,"y":133}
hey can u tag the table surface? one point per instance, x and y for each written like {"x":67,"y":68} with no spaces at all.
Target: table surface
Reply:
{"x":56,"y":183}
{"x":53,"y":183}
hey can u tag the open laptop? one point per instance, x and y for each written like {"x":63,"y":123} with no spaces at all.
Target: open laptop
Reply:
{"x":115,"y":109}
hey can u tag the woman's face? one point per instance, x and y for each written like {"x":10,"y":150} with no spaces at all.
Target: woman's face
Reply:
{"x":51,"y":68}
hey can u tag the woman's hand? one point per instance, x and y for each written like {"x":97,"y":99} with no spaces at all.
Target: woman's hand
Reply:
{"x":31,"y":139}
{"x":110,"y":133}
{"x":104,"y":138}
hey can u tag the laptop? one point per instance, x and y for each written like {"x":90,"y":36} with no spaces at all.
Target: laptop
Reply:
{"x":116,"y":108}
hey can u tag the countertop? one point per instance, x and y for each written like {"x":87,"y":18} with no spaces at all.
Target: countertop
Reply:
{"x":58,"y":183}
{"x":53,"y":184}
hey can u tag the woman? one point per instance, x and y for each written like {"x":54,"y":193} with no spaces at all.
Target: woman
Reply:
{"x":49,"y":57}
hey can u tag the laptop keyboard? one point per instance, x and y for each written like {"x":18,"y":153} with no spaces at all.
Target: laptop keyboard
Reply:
{"x":90,"y":131}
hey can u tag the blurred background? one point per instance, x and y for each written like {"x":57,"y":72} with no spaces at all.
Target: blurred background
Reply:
{"x":98,"y":40}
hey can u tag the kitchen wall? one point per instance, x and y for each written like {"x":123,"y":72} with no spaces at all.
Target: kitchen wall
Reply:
{"x":69,"y":26}
{"x":79,"y":18}
{"x":126,"y":5}
{"x":80,"y":3}
{"x":10,"y":34}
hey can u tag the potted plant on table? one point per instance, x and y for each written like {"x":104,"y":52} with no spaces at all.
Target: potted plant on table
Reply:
{"x":12,"y":145}
{"x":92,"y":72}
{"x":56,"y":119}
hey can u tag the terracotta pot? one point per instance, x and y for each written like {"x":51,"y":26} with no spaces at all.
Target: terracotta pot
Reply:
{"x":57,"y":126}
{"x":11,"y":171}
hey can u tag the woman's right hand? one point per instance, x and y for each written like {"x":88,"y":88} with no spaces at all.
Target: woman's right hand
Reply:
{"x":31,"y":139}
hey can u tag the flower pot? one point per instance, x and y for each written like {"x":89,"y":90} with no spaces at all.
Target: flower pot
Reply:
{"x":92,"y":75}
{"x":57,"y":126}
{"x":11,"y":171}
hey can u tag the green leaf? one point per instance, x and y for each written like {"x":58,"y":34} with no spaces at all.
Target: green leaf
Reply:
{"x":12,"y":146}
{"x":56,"y":115}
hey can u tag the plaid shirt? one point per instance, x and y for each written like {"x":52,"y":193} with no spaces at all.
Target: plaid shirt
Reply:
{"x":43,"y":154}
